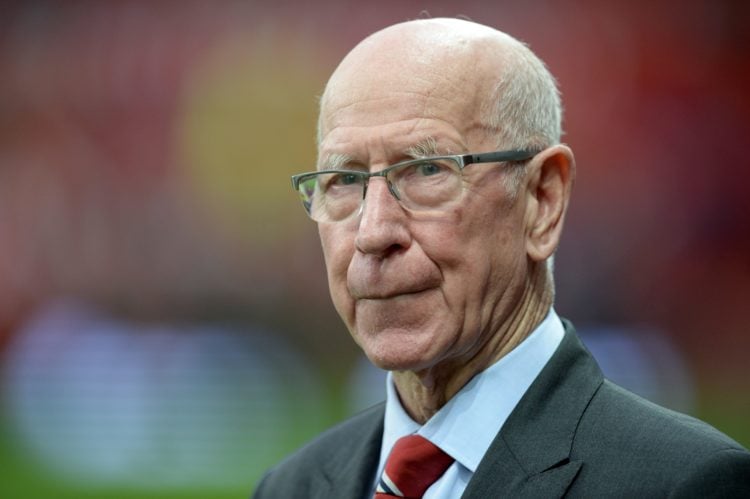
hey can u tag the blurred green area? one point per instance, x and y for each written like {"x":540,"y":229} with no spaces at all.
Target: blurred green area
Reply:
{"x":23,"y":478}
{"x":727,"y":410}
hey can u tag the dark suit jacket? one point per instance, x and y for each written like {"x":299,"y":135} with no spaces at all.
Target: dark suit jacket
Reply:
{"x":573,"y":434}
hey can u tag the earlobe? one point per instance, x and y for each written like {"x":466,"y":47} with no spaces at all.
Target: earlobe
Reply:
{"x":551,"y":179}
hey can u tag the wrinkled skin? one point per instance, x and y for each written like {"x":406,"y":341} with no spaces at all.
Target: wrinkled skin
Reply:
{"x":436,"y":299}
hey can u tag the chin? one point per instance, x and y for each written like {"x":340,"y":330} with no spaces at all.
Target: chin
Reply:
{"x":399,"y":350}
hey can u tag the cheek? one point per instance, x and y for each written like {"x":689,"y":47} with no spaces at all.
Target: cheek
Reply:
{"x":465,"y":242}
{"x":479,"y":256}
{"x":338,"y":248}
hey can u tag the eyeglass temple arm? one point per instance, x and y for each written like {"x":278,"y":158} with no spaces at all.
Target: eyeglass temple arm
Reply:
{"x":492,"y":157}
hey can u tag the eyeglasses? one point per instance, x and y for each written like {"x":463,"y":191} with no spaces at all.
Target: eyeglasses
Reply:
{"x":420,"y":185}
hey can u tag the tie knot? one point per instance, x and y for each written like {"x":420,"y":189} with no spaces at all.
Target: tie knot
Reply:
{"x":413,"y":465}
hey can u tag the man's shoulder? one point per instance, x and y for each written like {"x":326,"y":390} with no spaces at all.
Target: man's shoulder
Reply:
{"x":613,"y":419}
{"x":625,"y":444}
{"x":619,"y":414}
{"x":335,"y":440}
{"x":625,"y":439}
{"x":339,"y":437}
{"x":352,"y":443}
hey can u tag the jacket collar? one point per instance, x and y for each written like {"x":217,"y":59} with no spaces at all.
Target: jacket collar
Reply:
{"x":530,"y":457}
{"x":350,"y":474}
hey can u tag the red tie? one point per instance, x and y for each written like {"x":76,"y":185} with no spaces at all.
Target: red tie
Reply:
{"x":414,"y":464}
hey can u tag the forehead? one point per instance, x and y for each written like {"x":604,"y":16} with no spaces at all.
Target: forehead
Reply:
{"x":392,"y":141}
{"x":395,"y":90}
{"x":365,"y":120}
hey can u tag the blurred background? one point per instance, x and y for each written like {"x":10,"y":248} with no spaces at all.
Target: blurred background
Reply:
{"x":165,"y":325}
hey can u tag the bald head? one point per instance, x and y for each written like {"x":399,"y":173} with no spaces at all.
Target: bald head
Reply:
{"x":430,"y":287}
{"x":493,"y":82}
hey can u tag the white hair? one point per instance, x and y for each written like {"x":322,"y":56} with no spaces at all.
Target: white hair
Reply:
{"x":525,"y":107}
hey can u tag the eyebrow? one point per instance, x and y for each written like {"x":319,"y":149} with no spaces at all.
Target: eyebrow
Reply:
{"x":334,"y":161}
{"x":424,"y":148}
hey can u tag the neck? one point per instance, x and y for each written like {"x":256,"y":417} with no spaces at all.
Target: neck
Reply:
{"x":423,"y":393}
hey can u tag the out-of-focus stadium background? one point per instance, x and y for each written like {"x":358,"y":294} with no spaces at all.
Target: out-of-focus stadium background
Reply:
{"x":165,"y":325}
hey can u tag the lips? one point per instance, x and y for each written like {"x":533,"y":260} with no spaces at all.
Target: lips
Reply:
{"x":388,"y":295}
{"x":368,"y":279}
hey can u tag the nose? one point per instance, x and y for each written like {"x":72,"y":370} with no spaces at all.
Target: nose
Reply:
{"x":383,"y":224}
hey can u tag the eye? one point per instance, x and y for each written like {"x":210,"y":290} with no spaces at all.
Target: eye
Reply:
{"x":345,"y":179}
{"x":340,"y":180}
{"x":428,"y":169}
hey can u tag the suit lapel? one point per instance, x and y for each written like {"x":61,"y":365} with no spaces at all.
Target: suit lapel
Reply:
{"x":351,"y":474}
{"x":530,"y":457}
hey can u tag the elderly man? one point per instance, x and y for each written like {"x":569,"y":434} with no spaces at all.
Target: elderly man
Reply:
{"x":440,"y":195}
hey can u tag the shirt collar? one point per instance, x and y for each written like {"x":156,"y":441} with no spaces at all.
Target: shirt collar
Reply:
{"x":466,"y":426}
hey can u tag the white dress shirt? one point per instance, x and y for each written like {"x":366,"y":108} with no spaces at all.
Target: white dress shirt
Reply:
{"x":466,"y":426}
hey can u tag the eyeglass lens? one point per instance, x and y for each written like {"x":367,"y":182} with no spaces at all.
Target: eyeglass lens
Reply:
{"x":419,"y":185}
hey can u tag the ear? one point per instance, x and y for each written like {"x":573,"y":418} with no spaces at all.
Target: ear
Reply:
{"x":549,"y":183}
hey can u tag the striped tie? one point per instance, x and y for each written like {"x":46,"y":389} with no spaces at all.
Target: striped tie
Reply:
{"x":414,"y":464}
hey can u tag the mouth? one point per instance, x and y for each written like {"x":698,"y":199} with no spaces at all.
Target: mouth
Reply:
{"x":410,"y":293}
